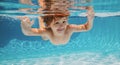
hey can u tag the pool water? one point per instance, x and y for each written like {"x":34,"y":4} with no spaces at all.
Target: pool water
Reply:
{"x":99,"y":46}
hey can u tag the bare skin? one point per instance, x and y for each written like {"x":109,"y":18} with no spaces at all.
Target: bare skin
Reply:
{"x":60,"y":31}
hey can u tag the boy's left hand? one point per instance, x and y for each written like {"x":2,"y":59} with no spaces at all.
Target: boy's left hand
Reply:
{"x":90,"y":13}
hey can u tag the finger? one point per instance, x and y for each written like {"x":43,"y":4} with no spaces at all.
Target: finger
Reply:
{"x":32,"y":22}
{"x":26,"y":24}
{"x":26,"y":20}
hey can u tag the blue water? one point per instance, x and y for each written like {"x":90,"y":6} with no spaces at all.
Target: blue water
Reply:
{"x":99,"y":46}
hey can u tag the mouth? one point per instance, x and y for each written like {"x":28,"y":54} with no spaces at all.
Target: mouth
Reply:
{"x":60,"y":29}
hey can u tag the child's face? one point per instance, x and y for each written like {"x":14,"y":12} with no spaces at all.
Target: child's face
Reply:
{"x":59,"y":25}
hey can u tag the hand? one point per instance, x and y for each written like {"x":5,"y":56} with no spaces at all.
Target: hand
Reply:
{"x":90,"y":13}
{"x":26,"y":23}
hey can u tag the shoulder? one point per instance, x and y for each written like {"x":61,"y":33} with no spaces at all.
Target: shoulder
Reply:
{"x":70,"y":27}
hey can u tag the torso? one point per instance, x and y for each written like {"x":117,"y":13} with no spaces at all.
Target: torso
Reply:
{"x":59,"y":40}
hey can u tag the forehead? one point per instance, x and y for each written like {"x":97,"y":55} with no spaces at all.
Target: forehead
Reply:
{"x":60,"y":18}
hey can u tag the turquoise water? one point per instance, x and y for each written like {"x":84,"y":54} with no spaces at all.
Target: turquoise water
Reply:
{"x":99,"y":46}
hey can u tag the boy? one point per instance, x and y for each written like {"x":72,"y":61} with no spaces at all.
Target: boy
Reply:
{"x":57,"y":29}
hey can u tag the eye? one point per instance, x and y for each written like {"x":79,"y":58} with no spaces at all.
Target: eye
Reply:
{"x":64,"y":21}
{"x":57,"y":23}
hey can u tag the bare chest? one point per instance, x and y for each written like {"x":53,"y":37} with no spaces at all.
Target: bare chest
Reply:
{"x":60,"y":40}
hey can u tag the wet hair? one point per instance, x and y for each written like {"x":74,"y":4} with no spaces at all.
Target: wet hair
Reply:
{"x":49,"y":19}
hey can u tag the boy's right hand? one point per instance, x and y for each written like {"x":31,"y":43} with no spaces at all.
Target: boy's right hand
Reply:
{"x":26,"y":23}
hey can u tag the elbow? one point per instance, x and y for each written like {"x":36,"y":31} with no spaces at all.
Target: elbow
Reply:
{"x":88,"y":27}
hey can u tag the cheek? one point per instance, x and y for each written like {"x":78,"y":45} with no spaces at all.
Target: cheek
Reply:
{"x":65,"y":24}
{"x":56,"y":26}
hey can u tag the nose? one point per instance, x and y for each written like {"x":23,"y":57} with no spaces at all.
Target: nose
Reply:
{"x":61,"y":25}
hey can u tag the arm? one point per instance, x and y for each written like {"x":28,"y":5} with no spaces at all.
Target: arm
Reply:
{"x":27,"y":30}
{"x":88,"y":25}
{"x":41,"y":22}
